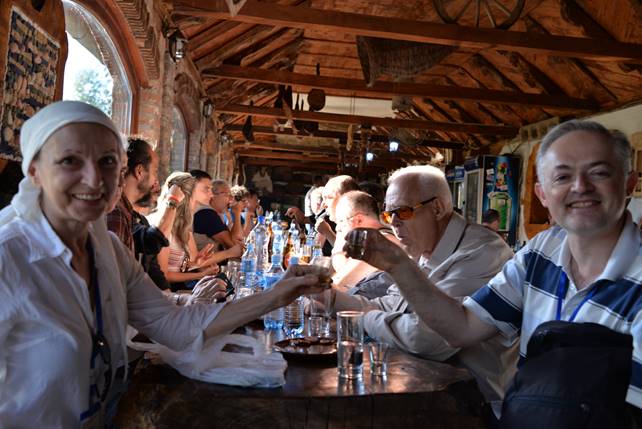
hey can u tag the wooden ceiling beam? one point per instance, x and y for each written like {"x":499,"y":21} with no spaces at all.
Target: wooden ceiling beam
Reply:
{"x":238,"y":44}
{"x":390,"y":89}
{"x":265,"y":155}
{"x":289,"y":163}
{"x":375,"y":138}
{"x":286,"y":147}
{"x":575,"y":69}
{"x":256,"y":153}
{"x":269,"y":112}
{"x":265,"y":13}
{"x":347,"y":159}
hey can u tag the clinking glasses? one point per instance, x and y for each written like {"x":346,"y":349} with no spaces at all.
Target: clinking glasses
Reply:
{"x":404,"y":212}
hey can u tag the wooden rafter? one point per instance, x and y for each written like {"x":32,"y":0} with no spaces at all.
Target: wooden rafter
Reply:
{"x":256,"y":157}
{"x":268,"y":112}
{"x":419,"y":31}
{"x":390,"y":89}
{"x":244,"y":41}
{"x":316,"y":166}
{"x":254,"y":152}
{"x":375,"y":138}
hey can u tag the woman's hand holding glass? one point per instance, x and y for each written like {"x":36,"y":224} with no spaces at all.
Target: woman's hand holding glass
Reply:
{"x":299,"y":280}
{"x":207,"y":290}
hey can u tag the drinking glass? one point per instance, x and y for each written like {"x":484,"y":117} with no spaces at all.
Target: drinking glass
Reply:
{"x":315,"y":326}
{"x":350,"y":344}
{"x":378,"y":358}
{"x":306,"y":253}
{"x":357,"y":242}
{"x":326,"y":297}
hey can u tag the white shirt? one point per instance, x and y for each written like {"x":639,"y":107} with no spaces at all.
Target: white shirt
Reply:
{"x":46,"y":322}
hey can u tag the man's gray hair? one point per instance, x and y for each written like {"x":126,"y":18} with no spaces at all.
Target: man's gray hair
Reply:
{"x":616,"y":138}
{"x":429,"y":179}
{"x":218,"y":183}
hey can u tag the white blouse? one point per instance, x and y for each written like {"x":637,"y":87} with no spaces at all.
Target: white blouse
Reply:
{"x":46,"y":322}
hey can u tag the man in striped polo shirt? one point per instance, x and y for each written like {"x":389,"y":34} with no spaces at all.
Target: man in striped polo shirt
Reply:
{"x":588,"y":268}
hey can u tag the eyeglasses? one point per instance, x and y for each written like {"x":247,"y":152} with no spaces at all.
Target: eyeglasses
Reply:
{"x":404,"y":212}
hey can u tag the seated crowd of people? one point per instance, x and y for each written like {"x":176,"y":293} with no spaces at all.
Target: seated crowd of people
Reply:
{"x":429,"y":283}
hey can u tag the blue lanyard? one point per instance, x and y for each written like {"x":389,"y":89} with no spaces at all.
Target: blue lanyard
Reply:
{"x":95,"y":406}
{"x":96,"y":288}
{"x":562,"y":288}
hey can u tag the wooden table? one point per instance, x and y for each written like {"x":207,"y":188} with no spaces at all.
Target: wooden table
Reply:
{"x":416,"y":393}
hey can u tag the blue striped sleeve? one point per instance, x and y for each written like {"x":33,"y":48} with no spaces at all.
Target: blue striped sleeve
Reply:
{"x":499,"y":308}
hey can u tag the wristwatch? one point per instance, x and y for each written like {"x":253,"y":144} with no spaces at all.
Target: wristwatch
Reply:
{"x":171,"y":204}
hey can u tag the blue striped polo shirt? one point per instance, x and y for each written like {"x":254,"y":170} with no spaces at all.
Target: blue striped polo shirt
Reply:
{"x":524,"y":294}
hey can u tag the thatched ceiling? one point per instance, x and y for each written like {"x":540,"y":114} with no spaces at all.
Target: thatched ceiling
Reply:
{"x":477,"y":86}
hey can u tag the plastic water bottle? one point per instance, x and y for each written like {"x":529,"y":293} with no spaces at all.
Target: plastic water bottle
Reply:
{"x":274,"y":319}
{"x":277,"y":243}
{"x":293,"y":323}
{"x":261,"y":246}
{"x":248,"y":272}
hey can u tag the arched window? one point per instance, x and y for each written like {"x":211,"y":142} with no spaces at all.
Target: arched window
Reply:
{"x":178,"y":142}
{"x":94,"y":71}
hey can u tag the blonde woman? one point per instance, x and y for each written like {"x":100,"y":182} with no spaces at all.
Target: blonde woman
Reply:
{"x":181,"y":262}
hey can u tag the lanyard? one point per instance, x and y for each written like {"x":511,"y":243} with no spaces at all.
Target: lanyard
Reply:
{"x":96,"y":288}
{"x":562,"y":288}
{"x":96,"y":337}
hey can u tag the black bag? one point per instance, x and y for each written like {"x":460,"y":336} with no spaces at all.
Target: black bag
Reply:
{"x":575,"y":375}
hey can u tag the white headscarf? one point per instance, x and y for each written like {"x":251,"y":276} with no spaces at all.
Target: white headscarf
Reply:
{"x":26,"y":203}
{"x":33,"y":136}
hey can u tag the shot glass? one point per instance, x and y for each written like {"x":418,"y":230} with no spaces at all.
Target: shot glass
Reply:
{"x":357,"y":240}
{"x":350,"y":344}
{"x":378,"y":358}
{"x":315,"y":326}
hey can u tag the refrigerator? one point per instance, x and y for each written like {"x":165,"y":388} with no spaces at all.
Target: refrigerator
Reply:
{"x":493,"y":182}
{"x":455,"y":177}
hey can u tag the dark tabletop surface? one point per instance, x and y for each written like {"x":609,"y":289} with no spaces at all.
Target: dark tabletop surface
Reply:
{"x":314,"y":396}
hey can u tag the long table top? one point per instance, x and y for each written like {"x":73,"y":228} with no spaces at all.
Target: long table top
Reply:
{"x":415,"y":393}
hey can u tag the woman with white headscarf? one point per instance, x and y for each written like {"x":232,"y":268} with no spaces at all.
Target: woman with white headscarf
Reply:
{"x":68,"y":288}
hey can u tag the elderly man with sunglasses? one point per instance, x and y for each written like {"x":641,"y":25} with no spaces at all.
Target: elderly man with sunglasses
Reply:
{"x":459,"y":258}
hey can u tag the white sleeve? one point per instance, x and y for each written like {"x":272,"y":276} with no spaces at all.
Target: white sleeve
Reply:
{"x":408,"y":333}
{"x":151,"y":313}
